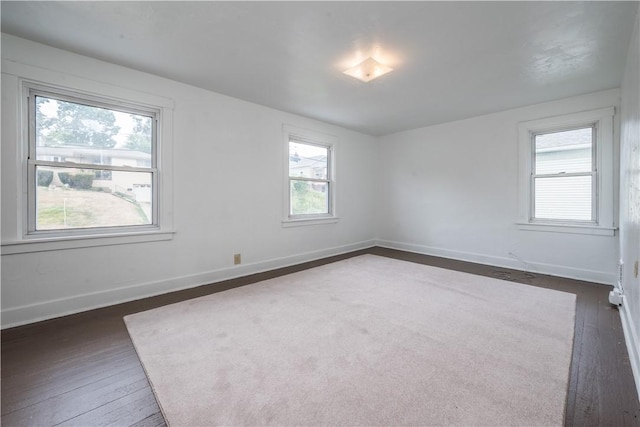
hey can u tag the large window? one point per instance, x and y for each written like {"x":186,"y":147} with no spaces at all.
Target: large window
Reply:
{"x":91,"y":165}
{"x":566,"y":173}
{"x":310,"y":184}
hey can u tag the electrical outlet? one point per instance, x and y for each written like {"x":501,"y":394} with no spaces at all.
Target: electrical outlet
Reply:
{"x":237,"y":259}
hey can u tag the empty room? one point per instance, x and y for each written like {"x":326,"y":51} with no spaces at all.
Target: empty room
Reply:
{"x":320,"y":213}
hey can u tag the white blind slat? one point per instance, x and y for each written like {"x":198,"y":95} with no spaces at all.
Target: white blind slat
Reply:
{"x":567,"y":198}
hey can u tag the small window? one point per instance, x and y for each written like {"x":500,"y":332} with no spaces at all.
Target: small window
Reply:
{"x":309,"y":184}
{"x":566,"y":173}
{"x":91,"y":164}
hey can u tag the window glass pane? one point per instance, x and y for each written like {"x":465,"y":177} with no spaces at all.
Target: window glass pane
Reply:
{"x":566,"y":151}
{"x":565,"y":197}
{"x":82,"y":198}
{"x":309,"y":197}
{"x":308,"y":161}
{"x":71,"y":132}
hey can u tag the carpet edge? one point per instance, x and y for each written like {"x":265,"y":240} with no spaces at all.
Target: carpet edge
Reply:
{"x":144,"y":368}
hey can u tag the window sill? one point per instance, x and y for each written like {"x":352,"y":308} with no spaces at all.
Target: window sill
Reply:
{"x":309,"y":221}
{"x":593,"y":230}
{"x":62,"y":243}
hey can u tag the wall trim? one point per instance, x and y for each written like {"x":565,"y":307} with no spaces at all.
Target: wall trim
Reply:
{"x":31,"y":313}
{"x":599,"y":277}
{"x":633,"y":343}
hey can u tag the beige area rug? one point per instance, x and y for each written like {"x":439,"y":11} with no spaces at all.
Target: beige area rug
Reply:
{"x":365,"y":341}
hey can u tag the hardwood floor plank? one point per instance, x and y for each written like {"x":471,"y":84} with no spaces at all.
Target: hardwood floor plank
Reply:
{"x":73,"y":359}
{"x":572,"y":391}
{"x":155,"y":420}
{"x":126,"y":410}
{"x":588,"y":393}
{"x":16,"y":395}
{"x":76,"y":402}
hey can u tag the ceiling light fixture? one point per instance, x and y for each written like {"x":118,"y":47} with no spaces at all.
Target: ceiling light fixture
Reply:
{"x":368,"y":70}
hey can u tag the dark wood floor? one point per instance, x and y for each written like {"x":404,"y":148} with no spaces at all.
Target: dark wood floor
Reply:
{"x":83,"y":370}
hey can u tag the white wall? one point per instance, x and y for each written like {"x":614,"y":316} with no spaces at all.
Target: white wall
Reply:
{"x":233,"y":146}
{"x":630,"y":200}
{"x":452,"y":190}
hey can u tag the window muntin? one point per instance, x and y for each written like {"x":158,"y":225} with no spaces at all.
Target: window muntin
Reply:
{"x":601,"y":220}
{"x":309,"y":179}
{"x":564,"y":175}
{"x":91,"y":164}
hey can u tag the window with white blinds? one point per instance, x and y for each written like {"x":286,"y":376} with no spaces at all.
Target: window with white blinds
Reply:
{"x":566,"y":173}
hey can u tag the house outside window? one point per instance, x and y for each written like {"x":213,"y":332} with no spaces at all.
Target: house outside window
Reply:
{"x":566,"y":173}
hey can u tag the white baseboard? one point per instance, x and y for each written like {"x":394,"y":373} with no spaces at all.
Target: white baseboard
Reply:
{"x":31,"y":313}
{"x":516,"y":264}
{"x":16,"y":316}
{"x":633,"y":343}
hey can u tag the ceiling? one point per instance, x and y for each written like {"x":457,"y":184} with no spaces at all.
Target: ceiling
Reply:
{"x":452,"y":60}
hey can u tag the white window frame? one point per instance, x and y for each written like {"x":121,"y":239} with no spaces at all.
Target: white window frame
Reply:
{"x":26,"y":239}
{"x":304,"y":136}
{"x":30,"y":92}
{"x":602,"y":172}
